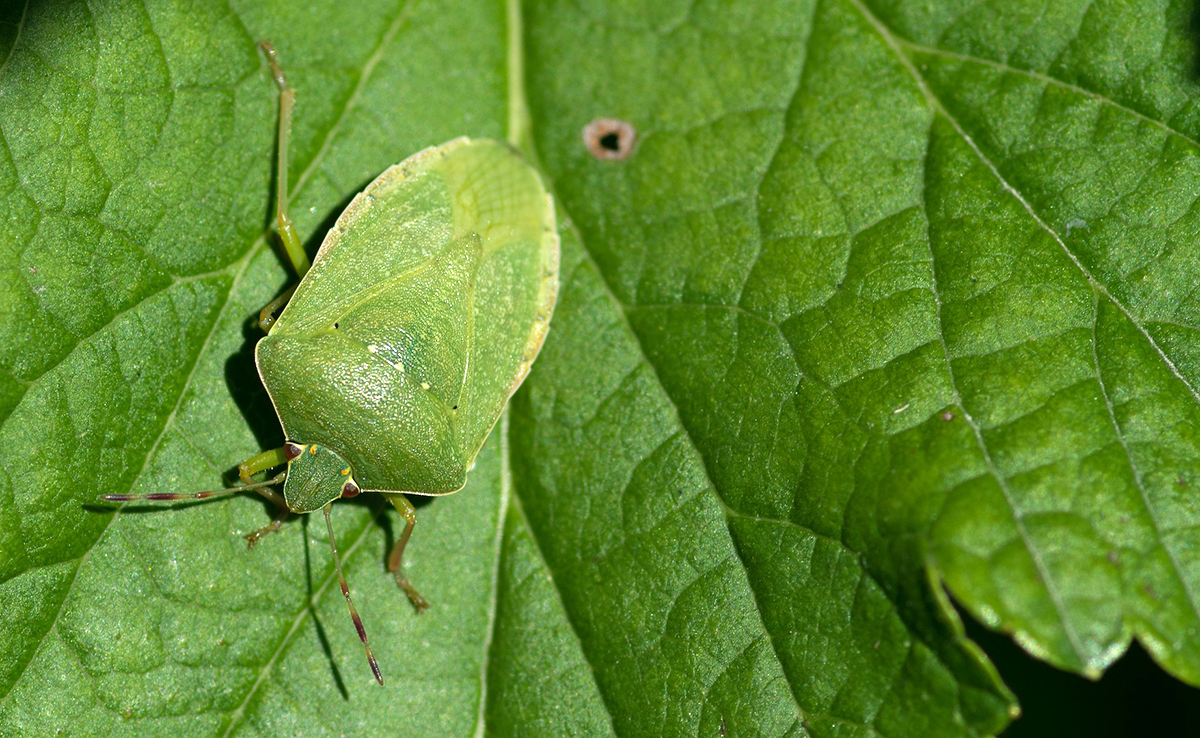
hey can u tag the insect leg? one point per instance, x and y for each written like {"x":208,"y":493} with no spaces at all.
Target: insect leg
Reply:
{"x":255,"y":464}
{"x":173,"y":496}
{"x":250,"y":467}
{"x":406,"y":509}
{"x":268,"y":316}
{"x":287,"y":231}
{"x":273,"y":526}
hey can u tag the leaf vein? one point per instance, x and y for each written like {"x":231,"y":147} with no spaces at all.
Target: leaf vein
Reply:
{"x":895,"y":44}
{"x":117,"y":513}
{"x":1137,"y":474}
{"x":1035,"y":556}
{"x":1050,"y":80}
{"x":309,"y":607}
{"x":494,"y":604}
{"x":621,"y":310}
{"x":244,"y":262}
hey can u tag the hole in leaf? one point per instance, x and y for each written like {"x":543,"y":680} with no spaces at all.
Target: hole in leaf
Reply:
{"x":609,"y":139}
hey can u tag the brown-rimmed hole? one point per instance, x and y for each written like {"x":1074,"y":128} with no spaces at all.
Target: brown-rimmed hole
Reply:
{"x":609,"y":139}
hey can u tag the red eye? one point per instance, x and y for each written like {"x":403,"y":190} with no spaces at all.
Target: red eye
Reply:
{"x":292,"y":450}
{"x":350,"y":489}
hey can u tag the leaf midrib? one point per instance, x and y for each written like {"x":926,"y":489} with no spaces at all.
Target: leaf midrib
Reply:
{"x":256,"y":246}
{"x":519,"y":134}
{"x":524,"y":125}
{"x":729,"y":513}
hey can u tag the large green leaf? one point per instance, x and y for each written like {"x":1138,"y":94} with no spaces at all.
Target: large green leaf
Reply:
{"x":889,"y":295}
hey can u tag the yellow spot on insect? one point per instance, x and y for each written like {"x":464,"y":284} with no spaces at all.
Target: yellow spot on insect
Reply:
{"x":313,"y":449}
{"x":345,"y":471}
{"x":424,"y":385}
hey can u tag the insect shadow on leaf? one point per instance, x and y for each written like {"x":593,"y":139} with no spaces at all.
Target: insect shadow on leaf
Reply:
{"x":322,"y":637}
{"x":241,"y":373}
{"x":1193,"y":28}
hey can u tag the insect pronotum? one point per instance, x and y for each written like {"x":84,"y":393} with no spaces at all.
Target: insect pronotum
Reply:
{"x":397,"y":351}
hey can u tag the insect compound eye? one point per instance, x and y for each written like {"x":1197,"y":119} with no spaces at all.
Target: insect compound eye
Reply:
{"x":292,"y":450}
{"x":350,"y":489}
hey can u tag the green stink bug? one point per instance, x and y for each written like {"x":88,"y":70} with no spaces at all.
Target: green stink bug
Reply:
{"x":398,"y":350}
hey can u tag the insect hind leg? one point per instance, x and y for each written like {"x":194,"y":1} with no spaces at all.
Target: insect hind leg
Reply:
{"x":409,"y":513}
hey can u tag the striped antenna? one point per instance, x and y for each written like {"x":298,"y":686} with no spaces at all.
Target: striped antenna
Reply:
{"x":157,"y":496}
{"x":362,"y":632}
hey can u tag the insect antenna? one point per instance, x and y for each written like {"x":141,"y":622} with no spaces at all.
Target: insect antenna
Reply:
{"x":156,"y":496}
{"x":362,"y":632}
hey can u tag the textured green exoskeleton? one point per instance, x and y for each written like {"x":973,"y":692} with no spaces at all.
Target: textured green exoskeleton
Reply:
{"x":397,"y":352}
{"x":419,"y":318}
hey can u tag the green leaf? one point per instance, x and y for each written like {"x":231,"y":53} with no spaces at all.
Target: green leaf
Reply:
{"x":890,"y":299}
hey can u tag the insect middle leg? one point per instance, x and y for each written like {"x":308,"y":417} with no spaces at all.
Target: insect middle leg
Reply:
{"x":269,"y":314}
{"x":409,"y":513}
{"x":246,"y":470}
{"x":287,"y":230}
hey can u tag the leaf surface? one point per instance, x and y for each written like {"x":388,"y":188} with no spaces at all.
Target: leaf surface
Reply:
{"x":890,"y":299}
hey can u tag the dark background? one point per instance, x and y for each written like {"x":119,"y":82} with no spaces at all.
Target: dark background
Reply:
{"x":1134,"y":698}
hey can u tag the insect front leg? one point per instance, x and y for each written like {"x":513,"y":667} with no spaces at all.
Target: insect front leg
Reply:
{"x":287,"y":231}
{"x":409,"y":513}
{"x":288,"y":235}
{"x":246,"y":470}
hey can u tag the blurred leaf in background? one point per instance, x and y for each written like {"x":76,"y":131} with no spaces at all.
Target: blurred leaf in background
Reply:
{"x":888,"y":297}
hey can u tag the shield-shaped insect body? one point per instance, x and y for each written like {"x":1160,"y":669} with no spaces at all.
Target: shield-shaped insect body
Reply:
{"x":421,"y":314}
